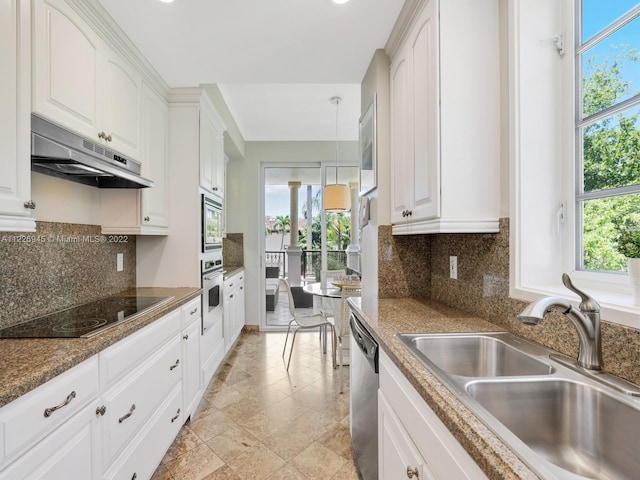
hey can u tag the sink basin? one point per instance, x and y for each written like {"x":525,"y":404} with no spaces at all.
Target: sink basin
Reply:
{"x":475,"y":355}
{"x":573,"y":425}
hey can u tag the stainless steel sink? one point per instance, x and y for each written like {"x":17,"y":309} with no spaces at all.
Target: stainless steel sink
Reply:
{"x":564,"y":421}
{"x":472,"y":355}
{"x":573,"y":425}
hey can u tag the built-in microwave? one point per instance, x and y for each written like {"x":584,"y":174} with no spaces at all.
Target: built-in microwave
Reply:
{"x":212,"y":226}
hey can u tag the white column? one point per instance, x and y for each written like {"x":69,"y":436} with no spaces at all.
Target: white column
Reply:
{"x":353,"y":250}
{"x":294,"y":252}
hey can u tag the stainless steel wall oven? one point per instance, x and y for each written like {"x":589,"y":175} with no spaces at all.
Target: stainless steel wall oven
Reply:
{"x":212,"y":281}
{"x":212,"y":223}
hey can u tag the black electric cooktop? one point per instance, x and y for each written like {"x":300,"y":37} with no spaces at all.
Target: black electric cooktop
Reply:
{"x":84,"y":320}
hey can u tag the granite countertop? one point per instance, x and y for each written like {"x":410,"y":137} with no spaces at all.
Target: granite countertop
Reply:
{"x":386,"y":317}
{"x":27,"y":363}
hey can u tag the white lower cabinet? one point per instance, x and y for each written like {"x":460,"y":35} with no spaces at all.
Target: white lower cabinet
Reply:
{"x":69,"y":452}
{"x":191,"y":387}
{"x":113,"y":416}
{"x":411,"y":436}
{"x":211,"y":352}
{"x":233,"y":306}
{"x":145,"y":452}
{"x":399,"y":456}
{"x":131,"y":402}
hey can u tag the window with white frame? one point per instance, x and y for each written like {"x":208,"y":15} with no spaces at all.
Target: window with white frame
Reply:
{"x":574,"y":147}
{"x":607,"y":59}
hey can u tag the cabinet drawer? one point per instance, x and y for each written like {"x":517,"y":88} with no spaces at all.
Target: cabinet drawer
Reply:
{"x":117,"y":360}
{"x":66,"y":453}
{"x":191,"y":311}
{"x":145,"y":453}
{"x":32,"y":416}
{"x":130,"y":403}
{"x":233,"y":281}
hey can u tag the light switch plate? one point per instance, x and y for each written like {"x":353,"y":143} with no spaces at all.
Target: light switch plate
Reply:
{"x":119,"y":262}
{"x":453,"y":267}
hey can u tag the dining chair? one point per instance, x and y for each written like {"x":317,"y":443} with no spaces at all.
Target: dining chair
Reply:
{"x":303,"y":322}
{"x":342,"y":328}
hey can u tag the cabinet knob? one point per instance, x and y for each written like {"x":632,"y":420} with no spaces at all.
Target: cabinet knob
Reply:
{"x":186,"y":336}
{"x":104,"y":136}
{"x":147,"y":218}
{"x":404,"y":213}
{"x":135,"y":475}
{"x":413,"y":472}
{"x":409,"y":213}
{"x":101,"y":410}
{"x":30,"y":204}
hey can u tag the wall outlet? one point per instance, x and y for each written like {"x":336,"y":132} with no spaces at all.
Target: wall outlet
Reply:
{"x":453,"y":267}
{"x":119,"y":262}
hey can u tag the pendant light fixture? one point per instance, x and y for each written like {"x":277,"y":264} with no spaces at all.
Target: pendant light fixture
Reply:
{"x":336,"y":197}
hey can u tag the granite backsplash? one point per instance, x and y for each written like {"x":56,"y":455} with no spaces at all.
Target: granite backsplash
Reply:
{"x":60,"y":265}
{"x":233,"y":250}
{"x":417,"y":266}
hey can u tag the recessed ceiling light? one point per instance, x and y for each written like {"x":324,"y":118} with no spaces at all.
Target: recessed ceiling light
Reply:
{"x":166,"y":1}
{"x":340,"y":2}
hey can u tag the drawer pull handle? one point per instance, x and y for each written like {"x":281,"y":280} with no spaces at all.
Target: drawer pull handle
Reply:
{"x":193,"y":311}
{"x":176,"y":417}
{"x":50,"y":410}
{"x":147,"y":218}
{"x":135,"y":475}
{"x":413,"y":472}
{"x":175,"y":365}
{"x":186,"y":336}
{"x":127,"y":415}
{"x":101,"y":410}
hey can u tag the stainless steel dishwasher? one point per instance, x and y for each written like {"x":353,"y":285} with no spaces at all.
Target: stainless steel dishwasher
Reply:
{"x":363,"y":401}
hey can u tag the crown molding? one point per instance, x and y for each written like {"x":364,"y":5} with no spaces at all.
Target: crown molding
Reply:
{"x":400,"y":30}
{"x":94,"y":13}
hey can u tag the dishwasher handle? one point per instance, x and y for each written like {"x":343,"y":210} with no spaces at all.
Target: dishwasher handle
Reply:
{"x":365,"y":342}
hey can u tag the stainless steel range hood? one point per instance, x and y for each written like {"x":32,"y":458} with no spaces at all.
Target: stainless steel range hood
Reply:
{"x":60,"y":153}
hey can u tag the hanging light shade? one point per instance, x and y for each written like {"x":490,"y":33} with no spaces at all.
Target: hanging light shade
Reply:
{"x":336,"y":196}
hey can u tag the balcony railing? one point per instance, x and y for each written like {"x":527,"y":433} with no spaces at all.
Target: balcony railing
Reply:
{"x":311,"y":262}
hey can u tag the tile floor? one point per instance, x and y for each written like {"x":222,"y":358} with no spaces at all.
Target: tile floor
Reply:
{"x":258,"y":421}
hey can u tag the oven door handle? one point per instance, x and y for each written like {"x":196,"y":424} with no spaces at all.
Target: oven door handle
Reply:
{"x":214,"y":275}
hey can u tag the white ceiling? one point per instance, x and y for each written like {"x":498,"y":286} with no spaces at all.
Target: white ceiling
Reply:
{"x":278,"y":61}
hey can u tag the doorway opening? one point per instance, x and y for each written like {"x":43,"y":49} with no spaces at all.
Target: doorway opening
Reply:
{"x":319,"y":240}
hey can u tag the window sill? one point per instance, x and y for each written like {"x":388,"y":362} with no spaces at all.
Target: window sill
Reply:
{"x":611,"y":291}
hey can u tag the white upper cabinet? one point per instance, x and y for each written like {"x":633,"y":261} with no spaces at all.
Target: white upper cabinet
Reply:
{"x":65,"y":67}
{"x":414,"y":99}
{"x":211,"y":148}
{"x":445,"y":120}
{"x":122,"y":105}
{"x":80,"y":83}
{"x":155,"y":201}
{"x":15,"y":127}
{"x":144,"y":211}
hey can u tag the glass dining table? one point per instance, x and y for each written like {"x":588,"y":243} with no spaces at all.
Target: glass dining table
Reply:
{"x":331,"y":292}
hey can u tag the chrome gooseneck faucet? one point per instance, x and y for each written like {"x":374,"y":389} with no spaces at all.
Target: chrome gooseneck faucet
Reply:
{"x":586,"y":320}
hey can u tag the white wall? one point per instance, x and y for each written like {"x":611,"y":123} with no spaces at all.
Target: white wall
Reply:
{"x":376,"y":80}
{"x":243,"y":198}
{"x":59,"y":200}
